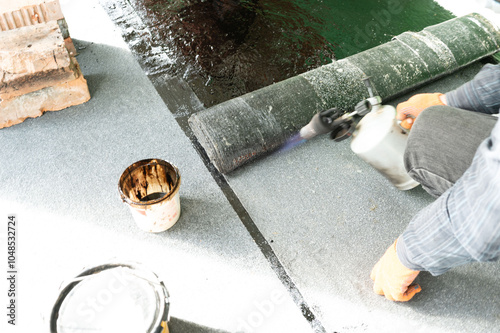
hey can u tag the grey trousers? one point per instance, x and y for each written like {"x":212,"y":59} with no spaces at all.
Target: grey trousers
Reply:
{"x":442,"y":144}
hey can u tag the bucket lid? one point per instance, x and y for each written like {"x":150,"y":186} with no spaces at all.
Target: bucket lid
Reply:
{"x":111,"y":298}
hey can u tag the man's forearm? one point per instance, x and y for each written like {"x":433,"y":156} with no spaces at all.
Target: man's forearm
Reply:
{"x":482,"y":94}
{"x":463,"y":224}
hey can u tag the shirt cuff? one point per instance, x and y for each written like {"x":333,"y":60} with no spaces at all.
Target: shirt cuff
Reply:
{"x":404,"y":256}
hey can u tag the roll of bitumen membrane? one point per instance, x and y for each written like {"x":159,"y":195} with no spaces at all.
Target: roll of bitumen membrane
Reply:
{"x":240,"y":130}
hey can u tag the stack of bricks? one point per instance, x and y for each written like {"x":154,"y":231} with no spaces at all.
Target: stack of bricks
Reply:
{"x":38,"y":68}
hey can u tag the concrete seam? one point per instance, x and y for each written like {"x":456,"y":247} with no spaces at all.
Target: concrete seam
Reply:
{"x":260,"y":241}
{"x":236,"y":204}
{"x":245,"y":217}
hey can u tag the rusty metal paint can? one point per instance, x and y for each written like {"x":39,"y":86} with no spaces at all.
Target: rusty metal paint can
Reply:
{"x":114,"y":297}
{"x":150,"y":188}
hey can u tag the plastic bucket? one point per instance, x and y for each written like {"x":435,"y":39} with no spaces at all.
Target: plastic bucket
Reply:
{"x":151,"y":190}
{"x":115,"y":297}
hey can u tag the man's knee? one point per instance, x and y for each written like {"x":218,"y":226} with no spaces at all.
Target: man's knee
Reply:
{"x":442,"y":144}
{"x":418,"y":150}
{"x":425,"y":159}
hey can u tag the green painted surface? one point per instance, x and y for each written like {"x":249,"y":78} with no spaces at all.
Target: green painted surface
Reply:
{"x":226,"y":48}
{"x":357,"y":25}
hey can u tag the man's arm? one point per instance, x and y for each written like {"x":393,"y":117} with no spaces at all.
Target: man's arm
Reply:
{"x":463,"y":225}
{"x":482,"y":94}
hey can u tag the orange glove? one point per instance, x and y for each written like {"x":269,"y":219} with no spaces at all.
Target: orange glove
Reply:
{"x":392,"y":279}
{"x":417,"y":103}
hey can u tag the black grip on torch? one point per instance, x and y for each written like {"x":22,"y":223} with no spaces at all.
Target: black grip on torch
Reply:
{"x":321,"y":123}
{"x":325,"y":121}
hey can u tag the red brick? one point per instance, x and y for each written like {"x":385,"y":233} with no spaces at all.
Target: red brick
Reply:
{"x":19,"y":13}
{"x":34,"y":104}
{"x":32,"y":58}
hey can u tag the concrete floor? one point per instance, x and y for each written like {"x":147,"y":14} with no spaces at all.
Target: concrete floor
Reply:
{"x":289,"y":234}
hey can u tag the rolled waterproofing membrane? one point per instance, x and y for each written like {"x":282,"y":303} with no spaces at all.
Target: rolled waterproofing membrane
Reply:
{"x":240,"y":130}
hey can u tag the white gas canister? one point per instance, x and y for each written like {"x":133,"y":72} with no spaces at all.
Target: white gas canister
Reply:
{"x":380,"y":142}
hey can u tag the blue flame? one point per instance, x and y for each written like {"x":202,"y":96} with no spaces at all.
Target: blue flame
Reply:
{"x":292,"y":142}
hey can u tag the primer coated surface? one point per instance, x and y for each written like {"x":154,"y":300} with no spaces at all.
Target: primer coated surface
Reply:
{"x":226,"y":48}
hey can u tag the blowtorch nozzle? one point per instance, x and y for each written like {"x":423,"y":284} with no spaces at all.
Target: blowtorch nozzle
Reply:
{"x":321,"y":123}
{"x":332,"y":120}
{"x":311,"y":129}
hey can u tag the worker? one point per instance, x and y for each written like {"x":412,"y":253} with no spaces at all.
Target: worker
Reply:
{"x":455,"y":154}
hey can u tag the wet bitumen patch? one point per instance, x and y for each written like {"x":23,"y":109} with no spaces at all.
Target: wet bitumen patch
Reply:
{"x":226,"y":48}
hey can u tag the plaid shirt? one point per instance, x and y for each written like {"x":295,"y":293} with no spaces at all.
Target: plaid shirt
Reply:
{"x":463,"y":224}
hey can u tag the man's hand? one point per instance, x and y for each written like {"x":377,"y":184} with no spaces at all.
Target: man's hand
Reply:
{"x":416,"y":104}
{"x":392,"y":279}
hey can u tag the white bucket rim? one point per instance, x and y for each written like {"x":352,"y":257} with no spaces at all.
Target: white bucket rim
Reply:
{"x":163,"y":311}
